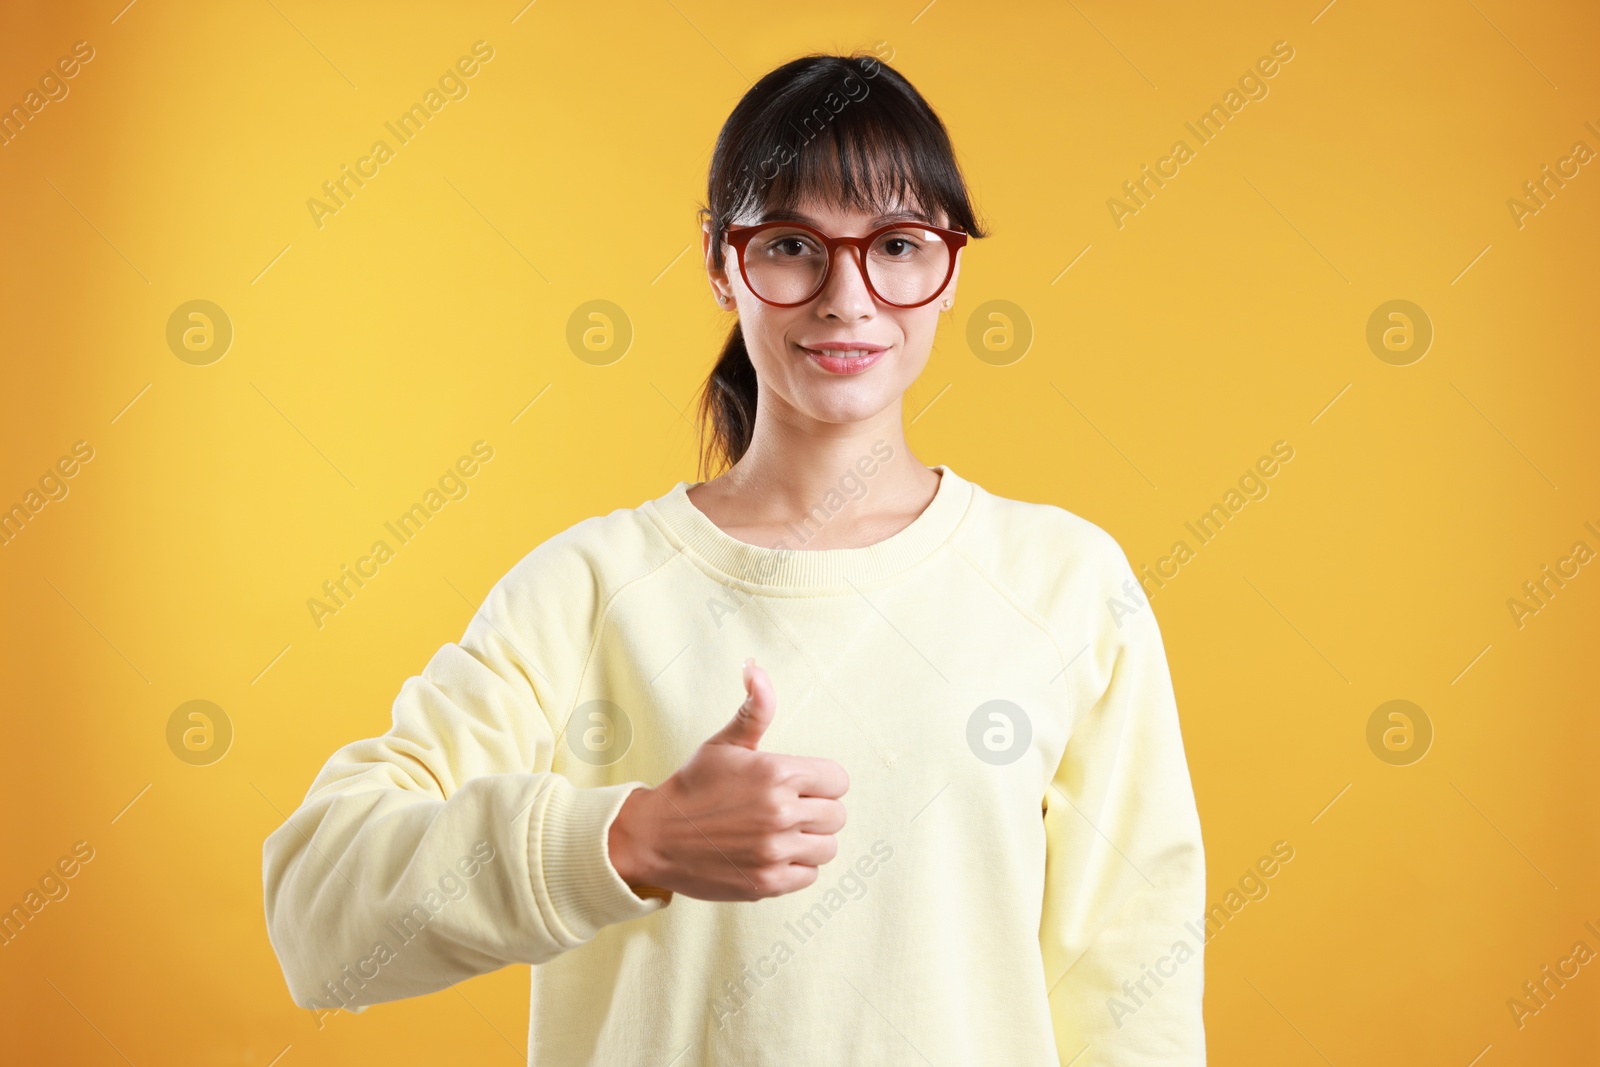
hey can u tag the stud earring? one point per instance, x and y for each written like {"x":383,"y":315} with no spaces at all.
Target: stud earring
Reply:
{"x":947,"y":305}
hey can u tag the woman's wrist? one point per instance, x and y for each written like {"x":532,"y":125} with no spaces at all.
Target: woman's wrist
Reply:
{"x":631,"y":856}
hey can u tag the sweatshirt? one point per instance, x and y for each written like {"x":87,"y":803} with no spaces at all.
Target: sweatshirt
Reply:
{"x":1020,"y":880}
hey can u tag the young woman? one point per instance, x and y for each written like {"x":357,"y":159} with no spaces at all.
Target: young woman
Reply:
{"x":951,"y":821}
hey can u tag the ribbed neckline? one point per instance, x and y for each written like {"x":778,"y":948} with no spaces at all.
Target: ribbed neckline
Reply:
{"x":813,"y":570}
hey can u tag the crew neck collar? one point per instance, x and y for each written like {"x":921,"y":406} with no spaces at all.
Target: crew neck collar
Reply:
{"x":813,"y":570}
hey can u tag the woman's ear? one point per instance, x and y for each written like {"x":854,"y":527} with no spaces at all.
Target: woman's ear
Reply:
{"x":718,"y":277}
{"x":947,"y":301}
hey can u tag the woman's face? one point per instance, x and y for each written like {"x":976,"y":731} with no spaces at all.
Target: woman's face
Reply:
{"x":783,"y":341}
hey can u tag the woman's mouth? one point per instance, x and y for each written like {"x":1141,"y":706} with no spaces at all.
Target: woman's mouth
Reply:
{"x":843,"y":361}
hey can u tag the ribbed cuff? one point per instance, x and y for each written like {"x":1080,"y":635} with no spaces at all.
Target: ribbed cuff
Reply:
{"x":568,"y":839}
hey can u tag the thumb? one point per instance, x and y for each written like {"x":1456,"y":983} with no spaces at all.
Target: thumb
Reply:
{"x":754,"y":715}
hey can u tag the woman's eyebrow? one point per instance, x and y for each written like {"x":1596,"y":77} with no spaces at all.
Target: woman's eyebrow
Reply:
{"x":783,"y":215}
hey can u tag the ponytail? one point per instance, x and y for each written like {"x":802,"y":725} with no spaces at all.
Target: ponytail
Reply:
{"x":728,"y":404}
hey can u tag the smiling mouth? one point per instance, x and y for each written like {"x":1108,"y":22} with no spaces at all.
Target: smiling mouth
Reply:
{"x":843,"y":361}
{"x":832,"y":354}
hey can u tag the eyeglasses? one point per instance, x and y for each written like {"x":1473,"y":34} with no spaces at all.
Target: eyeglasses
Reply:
{"x":786,"y":264}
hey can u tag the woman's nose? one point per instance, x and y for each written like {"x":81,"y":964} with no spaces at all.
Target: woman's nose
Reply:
{"x":845,"y":290}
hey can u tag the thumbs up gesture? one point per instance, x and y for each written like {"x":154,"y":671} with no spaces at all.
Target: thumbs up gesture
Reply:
{"x":734,"y":822}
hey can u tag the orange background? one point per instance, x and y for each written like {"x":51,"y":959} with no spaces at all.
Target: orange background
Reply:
{"x":1229,"y":313}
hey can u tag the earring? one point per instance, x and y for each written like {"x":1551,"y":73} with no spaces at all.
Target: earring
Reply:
{"x":947,"y":305}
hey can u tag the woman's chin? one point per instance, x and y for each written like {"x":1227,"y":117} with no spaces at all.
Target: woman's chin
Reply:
{"x":847,"y":401}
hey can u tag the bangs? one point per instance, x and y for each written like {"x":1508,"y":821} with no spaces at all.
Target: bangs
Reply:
{"x":844,"y":139}
{"x":862,"y":166}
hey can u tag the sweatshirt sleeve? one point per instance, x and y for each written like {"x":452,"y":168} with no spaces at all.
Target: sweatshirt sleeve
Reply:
{"x":1121,"y":929}
{"x":447,"y":847}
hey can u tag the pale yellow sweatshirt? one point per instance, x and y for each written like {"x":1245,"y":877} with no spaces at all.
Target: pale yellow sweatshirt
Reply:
{"x":1020,"y":880}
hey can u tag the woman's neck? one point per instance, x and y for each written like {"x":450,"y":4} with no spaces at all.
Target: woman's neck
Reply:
{"x":843,"y":493}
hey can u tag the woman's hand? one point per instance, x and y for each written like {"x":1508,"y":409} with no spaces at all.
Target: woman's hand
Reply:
{"x":734,"y":823}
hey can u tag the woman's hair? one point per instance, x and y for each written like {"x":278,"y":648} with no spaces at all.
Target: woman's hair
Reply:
{"x":865,"y":137}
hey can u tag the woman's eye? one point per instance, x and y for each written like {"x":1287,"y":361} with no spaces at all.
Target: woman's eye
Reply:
{"x":897,"y":246}
{"x":790,"y":246}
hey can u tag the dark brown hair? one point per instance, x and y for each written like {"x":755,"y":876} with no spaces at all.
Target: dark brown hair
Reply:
{"x":877,"y":141}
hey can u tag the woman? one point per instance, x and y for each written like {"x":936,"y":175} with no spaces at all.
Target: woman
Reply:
{"x":951,"y":821}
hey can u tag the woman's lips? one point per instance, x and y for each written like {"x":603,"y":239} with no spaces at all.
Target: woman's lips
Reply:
{"x":842,"y":363}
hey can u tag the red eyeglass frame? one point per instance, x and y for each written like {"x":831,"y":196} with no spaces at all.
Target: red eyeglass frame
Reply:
{"x":739,"y":236}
